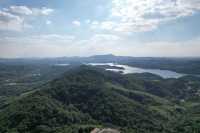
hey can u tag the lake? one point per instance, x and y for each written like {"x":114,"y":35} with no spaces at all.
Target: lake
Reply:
{"x":129,"y":69}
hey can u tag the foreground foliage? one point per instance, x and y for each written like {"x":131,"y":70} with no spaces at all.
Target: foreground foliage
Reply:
{"x":86,"y":97}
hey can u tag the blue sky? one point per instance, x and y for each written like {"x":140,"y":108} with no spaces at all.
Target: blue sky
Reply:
{"x":53,"y":28}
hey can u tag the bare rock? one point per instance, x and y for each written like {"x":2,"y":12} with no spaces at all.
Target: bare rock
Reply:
{"x":104,"y":130}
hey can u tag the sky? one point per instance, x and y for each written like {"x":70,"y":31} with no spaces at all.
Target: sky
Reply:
{"x":140,"y":28}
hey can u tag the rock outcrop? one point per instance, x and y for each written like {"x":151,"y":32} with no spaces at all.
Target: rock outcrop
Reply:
{"x":104,"y":130}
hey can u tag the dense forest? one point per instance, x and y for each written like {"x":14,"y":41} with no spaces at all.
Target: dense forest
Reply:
{"x":79,"y":99}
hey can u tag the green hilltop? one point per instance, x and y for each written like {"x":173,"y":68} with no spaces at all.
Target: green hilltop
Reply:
{"x":87,"y":97}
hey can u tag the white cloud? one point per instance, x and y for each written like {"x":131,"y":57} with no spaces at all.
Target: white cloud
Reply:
{"x":24,"y":10}
{"x":14,"y":17}
{"x":107,"y":25}
{"x":20,"y":10}
{"x":141,"y":49}
{"x":10,"y":22}
{"x":50,"y":39}
{"x":42,"y":11}
{"x":169,"y":49}
{"x":94,"y":25}
{"x":54,"y":45}
{"x":76,"y":23}
{"x":104,"y":38}
{"x":146,"y":15}
{"x":55,"y":38}
{"x":46,"y":45}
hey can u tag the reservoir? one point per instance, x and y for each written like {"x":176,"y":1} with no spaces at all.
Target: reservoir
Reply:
{"x":125,"y":69}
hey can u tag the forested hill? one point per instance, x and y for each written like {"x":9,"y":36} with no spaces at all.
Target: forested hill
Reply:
{"x":85,"y":98}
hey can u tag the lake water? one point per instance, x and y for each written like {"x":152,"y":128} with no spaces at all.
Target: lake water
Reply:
{"x":128,"y":69}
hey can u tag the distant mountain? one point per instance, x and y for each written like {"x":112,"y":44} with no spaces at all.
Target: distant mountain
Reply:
{"x":181,"y":65}
{"x":85,"y":98}
{"x":71,"y":60}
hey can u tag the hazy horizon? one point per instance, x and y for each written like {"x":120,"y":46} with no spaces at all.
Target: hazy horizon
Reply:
{"x":180,"y":57}
{"x":137,"y":28}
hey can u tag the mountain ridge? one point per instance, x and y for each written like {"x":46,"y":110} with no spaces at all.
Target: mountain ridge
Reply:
{"x":88,"y":97}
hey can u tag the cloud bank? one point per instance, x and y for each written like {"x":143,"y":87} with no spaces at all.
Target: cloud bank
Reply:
{"x":113,"y":33}
{"x":13,"y":18}
{"x":145,"y":15}
{"x":53,"y":45}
